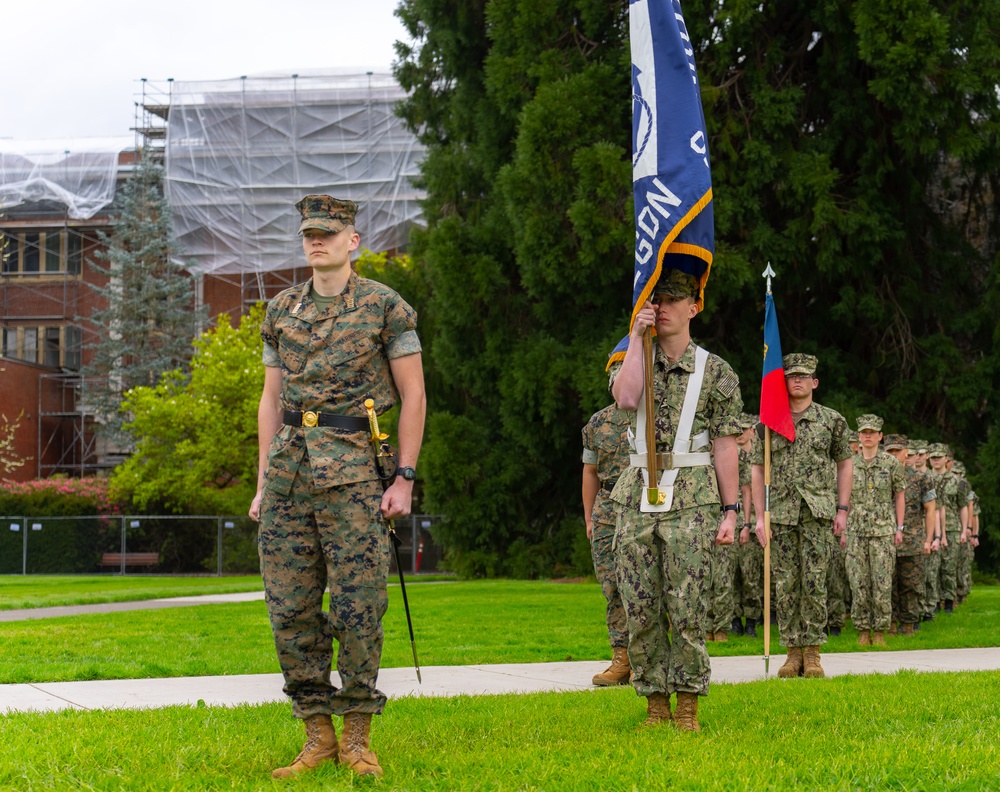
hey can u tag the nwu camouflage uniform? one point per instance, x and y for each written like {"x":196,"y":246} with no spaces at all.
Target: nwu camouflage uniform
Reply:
{"x":838,"y":587}
{"x":953,"y":492}
{"x":320,"y":520}
{"x":605,"y":444}
{"x":908,"y":578}
{"x":664,"y":559}
{"x":964,"y":575}
{"x":871,"y":528}
{"x":803,"y":499}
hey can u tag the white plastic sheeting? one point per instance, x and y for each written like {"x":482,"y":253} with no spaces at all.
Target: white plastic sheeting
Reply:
{"x":241,"y":152}
{"x":79,"y":173}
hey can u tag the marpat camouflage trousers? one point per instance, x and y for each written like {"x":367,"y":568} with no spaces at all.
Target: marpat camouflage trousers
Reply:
{"x":603,"y":553}
{"x":664,"y":574}
{"x":870,"y":561}
{"x":907,"y":589}
{"x":932,"y":571}
{"x":800,"y":555}
{"x":307,"y":541}
{"x":948,"y":574}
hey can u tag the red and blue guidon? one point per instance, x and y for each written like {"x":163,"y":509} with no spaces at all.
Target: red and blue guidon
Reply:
{"x":774,"y":410}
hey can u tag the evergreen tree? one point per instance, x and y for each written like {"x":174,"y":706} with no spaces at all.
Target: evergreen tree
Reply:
{"x":149,"y":320}
{"x":854,"y":146}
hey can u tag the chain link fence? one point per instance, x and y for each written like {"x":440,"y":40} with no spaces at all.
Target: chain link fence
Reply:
{"x":167,"y":544}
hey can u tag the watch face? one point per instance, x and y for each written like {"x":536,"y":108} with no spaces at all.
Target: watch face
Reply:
{"x":408,"y":473}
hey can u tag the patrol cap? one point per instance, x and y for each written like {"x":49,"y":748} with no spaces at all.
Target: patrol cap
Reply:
{"x":326,"y":213}
{"x":677,"y":284}
{"x":895,"y":442}
{"x":748,"y":421}
{"x":959,"y":468}
{"x":937,"y":450}
{"x":799,"y":363}
{"x":852,"y":437}
{"x":869,"y":421}
{"x":918,"y":446}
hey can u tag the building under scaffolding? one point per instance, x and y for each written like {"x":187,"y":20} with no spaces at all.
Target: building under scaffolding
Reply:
{"x":237,"y":155}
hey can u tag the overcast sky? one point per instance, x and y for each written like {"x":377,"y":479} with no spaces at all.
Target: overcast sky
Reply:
{"x":73,"y":69}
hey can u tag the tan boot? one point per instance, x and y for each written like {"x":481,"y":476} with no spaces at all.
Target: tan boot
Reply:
{"x":658,"y":709}
{"x":721,"y":637}
{"x":354,"y":751}
{"x":893,"y":629}
{"x":793,"y":663}
{"x":321,"y":746}
{"x":878,"y":638}
{"x":864,"y":638}
{"x":618,"y":672}
{"x":907,"y":629}
{"x":810,"y":663}
{"x":686,"y":715}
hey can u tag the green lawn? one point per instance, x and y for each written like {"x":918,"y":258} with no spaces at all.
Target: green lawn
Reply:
{"x":455,"y":623}
{"x":902,"y":732}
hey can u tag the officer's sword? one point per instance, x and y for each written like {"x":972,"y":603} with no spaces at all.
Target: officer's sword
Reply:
{"x":381,"y":453}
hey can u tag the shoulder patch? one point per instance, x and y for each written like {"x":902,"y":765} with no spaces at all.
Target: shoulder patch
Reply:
{"x":728,"y":384}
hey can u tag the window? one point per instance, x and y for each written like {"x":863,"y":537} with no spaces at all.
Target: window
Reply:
{"x":53,"y":346}
{"x":54,"y":252}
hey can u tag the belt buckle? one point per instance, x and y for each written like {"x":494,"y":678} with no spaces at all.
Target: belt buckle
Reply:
{"x":309,"y":418}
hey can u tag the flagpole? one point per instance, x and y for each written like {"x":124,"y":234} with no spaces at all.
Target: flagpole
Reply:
{"x":652,"y":469}
{"x":767,"y":549}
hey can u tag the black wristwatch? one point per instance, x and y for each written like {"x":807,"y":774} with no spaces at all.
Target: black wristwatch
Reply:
{"x":733,"y":507}
{"x":842,"y":507}
{"x":407,"y":472}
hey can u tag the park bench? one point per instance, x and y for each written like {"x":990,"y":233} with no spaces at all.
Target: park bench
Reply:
{"x":131,"y":559}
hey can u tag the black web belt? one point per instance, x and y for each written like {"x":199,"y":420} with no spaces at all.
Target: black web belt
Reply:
{"x":309,"y":418}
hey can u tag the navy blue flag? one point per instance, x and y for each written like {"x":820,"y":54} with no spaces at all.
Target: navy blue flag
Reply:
{"x":672,"y":185}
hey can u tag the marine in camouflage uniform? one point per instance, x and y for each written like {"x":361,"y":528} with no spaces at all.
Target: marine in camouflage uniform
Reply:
{"x":953,"y":493}
{"x":918,"y":535}
{"x":809,"y":496}
{"x":664,"y":558}
{"x":874,"y":528}
{"x":963,"y":575}
{"x":917,"y":458}
{"x":605,"y":455}
{"x":329,"y":345}
{"x":750,"y":555}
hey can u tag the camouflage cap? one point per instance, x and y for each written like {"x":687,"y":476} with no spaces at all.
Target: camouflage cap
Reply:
{"x":895,"y":442}
{"x":870,"y":422}
{"x":852,"y":437}
{"x":959,"y":468}
{"x":799,"y":363}
{"x":748,"y":421}
{"x":918,"y":446}
{"x":677,"y":284}
{"x":937,"y":450}
{"x":326,"y":213}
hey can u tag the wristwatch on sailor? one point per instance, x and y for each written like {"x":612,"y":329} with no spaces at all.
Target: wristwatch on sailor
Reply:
{"x":407,"y":472}
{"x":842,"y":507}
{"x":733,"y":507}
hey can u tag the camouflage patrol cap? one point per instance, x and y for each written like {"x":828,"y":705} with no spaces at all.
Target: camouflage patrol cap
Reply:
{"x":748,"y":421}
{"x":852,"y":437}
{"x":895,"y":442}
{"x":870,"y":422}
{"x":959,"y":468}
{"x":677,"y":284}
{"x":326,"y":213}
{"x":799,"y":363}
{"x":937,"y":450}
{"x":918,"y":446}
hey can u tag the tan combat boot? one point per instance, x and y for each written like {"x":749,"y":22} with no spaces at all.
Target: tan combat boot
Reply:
{"x":321,"y":746}
{"x":793,"y":663}
{"x":686,"y":714}
{"x":864,"y":638}
{"x":907,"y":629}
{"x":878,"y":638}
{"x":722,"y":637}
{"x":354,"y":751}
{"x":810,"y":659}
{"x":618,"y":672}
{"x":657,"y":709}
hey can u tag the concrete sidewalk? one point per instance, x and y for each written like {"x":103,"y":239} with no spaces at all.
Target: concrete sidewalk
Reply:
{"x":449,"y":680}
